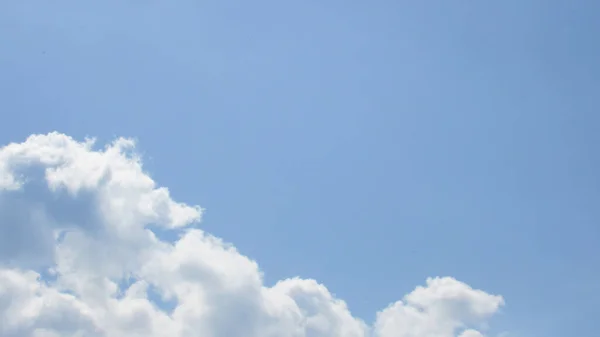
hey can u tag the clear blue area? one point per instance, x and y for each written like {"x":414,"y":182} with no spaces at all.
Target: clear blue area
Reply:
{"x":367,"y":144}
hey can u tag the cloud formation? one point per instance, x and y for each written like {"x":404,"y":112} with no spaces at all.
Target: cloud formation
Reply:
{"x":78,"y":257}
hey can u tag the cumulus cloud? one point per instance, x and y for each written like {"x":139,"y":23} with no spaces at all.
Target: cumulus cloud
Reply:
{"x":78,"y":257}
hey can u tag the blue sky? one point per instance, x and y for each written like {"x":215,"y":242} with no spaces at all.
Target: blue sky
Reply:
{"x":368,"y":145}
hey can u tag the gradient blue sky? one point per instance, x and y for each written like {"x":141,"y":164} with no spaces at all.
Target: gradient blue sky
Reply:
{"x":367,"y":144}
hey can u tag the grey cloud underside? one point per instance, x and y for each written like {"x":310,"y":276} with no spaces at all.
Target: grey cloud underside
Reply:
{"x":82,"y":217}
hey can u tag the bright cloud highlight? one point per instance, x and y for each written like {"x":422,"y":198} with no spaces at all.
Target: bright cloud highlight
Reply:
{"x":78,"y":258}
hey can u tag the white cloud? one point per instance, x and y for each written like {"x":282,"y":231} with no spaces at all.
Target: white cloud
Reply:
{"x":80,"y":216}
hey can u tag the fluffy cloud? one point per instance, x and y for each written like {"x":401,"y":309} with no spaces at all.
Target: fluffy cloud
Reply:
{"x":78,"y":257}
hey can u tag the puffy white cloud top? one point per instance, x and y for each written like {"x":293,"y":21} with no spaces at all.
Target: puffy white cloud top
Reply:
{"x":78,"y":258}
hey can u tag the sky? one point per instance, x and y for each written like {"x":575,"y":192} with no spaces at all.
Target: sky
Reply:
{"x":433,"y":164}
